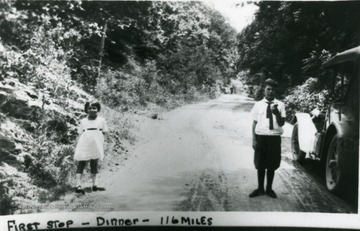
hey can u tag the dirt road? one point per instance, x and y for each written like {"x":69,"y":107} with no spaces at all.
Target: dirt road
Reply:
{"x":199,"y":158}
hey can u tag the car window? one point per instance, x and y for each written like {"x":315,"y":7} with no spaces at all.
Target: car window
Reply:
{"x":342,"y":78}
{"x":352,"y":93}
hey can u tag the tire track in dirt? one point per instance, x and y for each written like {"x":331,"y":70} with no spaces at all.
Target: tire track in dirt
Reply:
{"x":208,"y":190}
{"x":207,"y":193}
{"x":310,"y":196}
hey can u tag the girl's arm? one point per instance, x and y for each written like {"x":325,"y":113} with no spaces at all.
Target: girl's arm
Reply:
{"x":105,"y":128}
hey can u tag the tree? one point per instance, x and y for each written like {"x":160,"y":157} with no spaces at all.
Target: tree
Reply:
{"x":287,"y":40}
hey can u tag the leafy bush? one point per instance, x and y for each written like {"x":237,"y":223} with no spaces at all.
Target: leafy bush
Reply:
{"x":42,"y":174}
{"x":6,"y":201}
{"x":56,"y":127}
{"x":65,"y":163}
{"x":6,"y":205}
{"x":53,"y":193}
{"x":120,"y":123}
{"x":305,"y":98}
{"x":191,"y":95}
{"x":52,"y":164}
{"x":118,"y":89}
{"x":211,"y":92}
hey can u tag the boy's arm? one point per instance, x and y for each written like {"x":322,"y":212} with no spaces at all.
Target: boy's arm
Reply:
{"x":279,"y":119}
{"x":254,"y":143}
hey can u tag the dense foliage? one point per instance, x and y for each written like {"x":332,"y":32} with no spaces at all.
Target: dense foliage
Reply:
{"x":138,"y":47}
{"x":288,"y":41}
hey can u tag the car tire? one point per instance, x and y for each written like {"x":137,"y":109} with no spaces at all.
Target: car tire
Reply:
{"x":333,"y":175}
{"x":298,"y":155}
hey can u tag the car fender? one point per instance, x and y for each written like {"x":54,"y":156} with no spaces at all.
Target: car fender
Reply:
{"x":348,"y":145}
{"x":343,"y":131}
{"x":306,"y":132}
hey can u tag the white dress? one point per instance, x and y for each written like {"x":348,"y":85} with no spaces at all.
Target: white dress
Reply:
{"x":91,"y":142}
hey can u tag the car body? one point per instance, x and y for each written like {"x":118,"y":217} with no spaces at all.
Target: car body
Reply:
{"x":336,"y":144}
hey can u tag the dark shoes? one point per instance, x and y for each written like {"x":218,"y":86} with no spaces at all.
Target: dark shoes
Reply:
{"x":96,"y":188}
{"x":271,"y":193}
{"x":257,"y":192}
{"x":78,"y":189}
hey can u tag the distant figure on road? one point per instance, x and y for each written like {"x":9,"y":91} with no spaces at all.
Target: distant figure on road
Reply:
{"x":268,"y":117}
{"x":232,"y":89}
{"x":90,"y":147}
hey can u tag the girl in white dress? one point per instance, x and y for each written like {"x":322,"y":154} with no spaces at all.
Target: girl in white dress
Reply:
{"x":90,"y":147}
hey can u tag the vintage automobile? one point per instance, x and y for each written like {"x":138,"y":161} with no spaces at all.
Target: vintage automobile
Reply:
{"x":336,"y":142}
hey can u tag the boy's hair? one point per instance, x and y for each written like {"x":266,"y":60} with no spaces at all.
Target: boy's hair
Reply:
{"x":271,"y":82}
{"x":95,"y":104}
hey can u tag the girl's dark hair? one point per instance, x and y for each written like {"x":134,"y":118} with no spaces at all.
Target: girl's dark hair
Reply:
{"x":88,"y":104}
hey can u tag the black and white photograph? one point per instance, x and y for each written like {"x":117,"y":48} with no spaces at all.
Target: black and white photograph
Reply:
{"x":199,"y":114}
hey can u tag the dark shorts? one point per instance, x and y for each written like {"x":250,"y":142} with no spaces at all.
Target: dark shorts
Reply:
{"x":93,"y":166}
{"x":267,"y":152}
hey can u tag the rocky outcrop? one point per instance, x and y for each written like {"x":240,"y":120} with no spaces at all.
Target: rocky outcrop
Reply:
{"x":33,"y":121}
{"x":8,"y":149}
{"x":22,"y":115}
{"x":18,"y":100}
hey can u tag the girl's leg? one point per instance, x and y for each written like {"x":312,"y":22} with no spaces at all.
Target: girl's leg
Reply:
{"x":79,"y":173}
{"x":78,"y":179}
{"x":94,"y":171}
{"x":93,"y":178}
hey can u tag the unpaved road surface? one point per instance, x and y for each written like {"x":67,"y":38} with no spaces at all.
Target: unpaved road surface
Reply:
{"x":199,"y":158}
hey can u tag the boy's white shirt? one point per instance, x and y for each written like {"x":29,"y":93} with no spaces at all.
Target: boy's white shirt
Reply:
{"x":258,"y":113}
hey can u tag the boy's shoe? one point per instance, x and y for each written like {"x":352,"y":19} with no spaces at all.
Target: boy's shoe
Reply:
{"x":79,"y":190}
{"x":96,"y":188}
{"x":271,"y":193}
{"x":257,"y":192}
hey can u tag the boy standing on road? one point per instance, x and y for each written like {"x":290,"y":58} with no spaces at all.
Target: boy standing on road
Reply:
{"x":268,"y":117}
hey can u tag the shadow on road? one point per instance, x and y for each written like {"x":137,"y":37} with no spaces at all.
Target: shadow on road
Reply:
{"x":317,"y":171}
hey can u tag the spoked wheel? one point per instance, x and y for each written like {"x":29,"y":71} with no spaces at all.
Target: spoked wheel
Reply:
{"x":333,"y":174}
{"x":298,"y":155}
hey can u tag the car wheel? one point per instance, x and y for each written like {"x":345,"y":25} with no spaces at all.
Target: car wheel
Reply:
{"x":298,"y":155}
{"x":333,"y":174}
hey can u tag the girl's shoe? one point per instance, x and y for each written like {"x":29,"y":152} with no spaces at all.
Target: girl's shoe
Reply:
{"x":79,"y":190}
{"x":96,"y":188}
